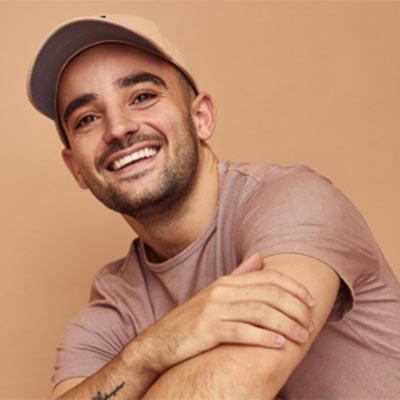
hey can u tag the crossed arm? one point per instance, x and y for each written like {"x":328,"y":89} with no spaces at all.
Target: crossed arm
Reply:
{"x":239,"y":372}
{"x":246,"y":369}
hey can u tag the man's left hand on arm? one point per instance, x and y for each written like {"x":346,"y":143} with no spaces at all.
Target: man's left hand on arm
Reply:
{"x":237,"y":372}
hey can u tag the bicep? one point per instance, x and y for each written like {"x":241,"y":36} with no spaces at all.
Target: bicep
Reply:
{"x":252,"y":371}
{"x":323,"y":284}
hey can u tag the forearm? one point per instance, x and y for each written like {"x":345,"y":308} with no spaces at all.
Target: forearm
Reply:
{"x":241,"y":372}
{"x":231,"y":372}
{"x":127,"y":376}
{"x":253,"y":309}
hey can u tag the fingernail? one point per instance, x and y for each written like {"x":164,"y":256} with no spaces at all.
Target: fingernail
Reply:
{"x":280,"y":341}
{"x":310,"y":301}
{"x":302,"y":335}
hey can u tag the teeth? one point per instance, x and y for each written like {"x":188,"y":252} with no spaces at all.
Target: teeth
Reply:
{"x":147,"y":152}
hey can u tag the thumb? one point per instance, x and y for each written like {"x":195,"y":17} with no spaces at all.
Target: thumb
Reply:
{"x":253,"y":263}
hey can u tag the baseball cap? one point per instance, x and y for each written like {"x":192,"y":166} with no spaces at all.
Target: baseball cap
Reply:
{"x":78,"y":34}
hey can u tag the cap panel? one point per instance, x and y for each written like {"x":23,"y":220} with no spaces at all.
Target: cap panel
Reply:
{"x":77,"y":35}
{"x":63,"y":46}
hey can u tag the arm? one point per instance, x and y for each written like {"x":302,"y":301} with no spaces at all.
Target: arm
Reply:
{"x":237,"y":372}
{"x":129,"y":372}
{"x":240,"y":308}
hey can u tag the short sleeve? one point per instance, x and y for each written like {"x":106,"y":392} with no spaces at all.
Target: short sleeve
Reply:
{"x":299,"y":211}
{"x":93,"y":337}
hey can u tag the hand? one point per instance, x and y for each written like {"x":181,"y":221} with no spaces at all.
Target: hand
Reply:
{"x":252,"y":306}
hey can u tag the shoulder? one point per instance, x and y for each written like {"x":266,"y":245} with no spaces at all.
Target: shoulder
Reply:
{"x":296,"y":191}
{"x":97,"y":332}
{"x":258,"y":173}
{"x":292,"y":190}
{"x":243,"y":182}
{"x":296,"y":210}
{"x":258,"y":177}
{"x":297,"y":197}
{"x":106,"y":309}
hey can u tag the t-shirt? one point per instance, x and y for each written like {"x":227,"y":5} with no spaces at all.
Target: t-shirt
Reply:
{"x":271,"y":210}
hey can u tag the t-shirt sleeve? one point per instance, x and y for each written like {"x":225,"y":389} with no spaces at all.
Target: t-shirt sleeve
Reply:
{"x":93,"y":337}
{"x":299,"y":211}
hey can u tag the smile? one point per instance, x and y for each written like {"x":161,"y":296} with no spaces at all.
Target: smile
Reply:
{"x":135,"y":156}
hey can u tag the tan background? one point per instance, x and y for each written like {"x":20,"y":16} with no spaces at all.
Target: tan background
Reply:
{"x":295,"y":82}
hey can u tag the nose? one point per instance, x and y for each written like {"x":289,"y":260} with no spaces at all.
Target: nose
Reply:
{"x":119,"y":124}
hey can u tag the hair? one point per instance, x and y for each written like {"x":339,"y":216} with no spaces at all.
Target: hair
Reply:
{"x":188,"y":90}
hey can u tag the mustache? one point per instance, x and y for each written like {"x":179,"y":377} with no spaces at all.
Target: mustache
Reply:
{"x":129,"y":140}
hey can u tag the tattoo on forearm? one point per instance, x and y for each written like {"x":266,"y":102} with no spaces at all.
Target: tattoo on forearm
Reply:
{"x":105,"y":396}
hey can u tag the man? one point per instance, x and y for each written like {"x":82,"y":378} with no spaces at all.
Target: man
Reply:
{"x":245,"y":281}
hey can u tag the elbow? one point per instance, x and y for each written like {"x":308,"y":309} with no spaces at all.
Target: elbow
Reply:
{"x":269,"y":369}
{"x":259,"y":372}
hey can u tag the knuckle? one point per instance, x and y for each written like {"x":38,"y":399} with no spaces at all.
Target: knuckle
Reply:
{"x":277,"y":294}
{"x":202,"y":326}
{"x":293,"y":328}
{"x":223,"y":280}
{"x":273,"y":274}
{"x":214,"y":292}
{"x":260,"y":316}
{"x":299,"y":311}
{"x":235,"y":333}
{"x":207,"y":310}
{"x":305,"y":314}
{"x":279,"y":298}
{"x":283,"y":325}
{"x":275,"y":320}
{"x":299,"y":289}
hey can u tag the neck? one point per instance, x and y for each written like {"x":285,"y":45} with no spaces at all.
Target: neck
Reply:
{"x":172,"y":231}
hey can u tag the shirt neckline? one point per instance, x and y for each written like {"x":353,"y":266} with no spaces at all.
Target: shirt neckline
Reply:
{"x":179,"y":258}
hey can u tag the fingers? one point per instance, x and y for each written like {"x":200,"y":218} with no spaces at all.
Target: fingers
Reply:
{"x":270,"y":277}
{"x":270,"y":319}
{"x":239,"y":333}
{"x":267,"y":299}
{"x":253,"y":263}
{"x":268,"y":296}
{"x":253,"y":306}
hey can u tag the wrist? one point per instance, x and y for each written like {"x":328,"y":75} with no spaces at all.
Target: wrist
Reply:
{"x":140,"y":355}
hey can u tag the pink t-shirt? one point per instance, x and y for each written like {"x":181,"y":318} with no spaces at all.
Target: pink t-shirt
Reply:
{"x":272,"y":210}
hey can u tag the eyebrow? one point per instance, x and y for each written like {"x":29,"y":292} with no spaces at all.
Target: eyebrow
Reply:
{"x":134,"y":79}
{"x":78,"y":102}
{"x":124,"y":82}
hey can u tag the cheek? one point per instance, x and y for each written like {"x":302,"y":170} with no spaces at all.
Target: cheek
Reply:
{"x":85,"y":157}
{"x":89,"y":145}
{"x":169,"y":121}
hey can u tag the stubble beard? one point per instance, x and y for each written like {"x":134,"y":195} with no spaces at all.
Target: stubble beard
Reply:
{"x":164,"y":197}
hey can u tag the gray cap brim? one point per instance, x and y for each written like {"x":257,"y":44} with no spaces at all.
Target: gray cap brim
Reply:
{"x":79,"y":34}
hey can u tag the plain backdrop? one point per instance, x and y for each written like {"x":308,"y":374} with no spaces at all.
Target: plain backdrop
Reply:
{"x":314,"y":83}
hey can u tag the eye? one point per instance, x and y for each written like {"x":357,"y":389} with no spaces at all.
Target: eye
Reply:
{"x":142,"y":97}
{"x":87,"y":119}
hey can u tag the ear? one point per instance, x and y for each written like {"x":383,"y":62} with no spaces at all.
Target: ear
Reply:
{"x":69,"y":160}
{"x":204,"y":112}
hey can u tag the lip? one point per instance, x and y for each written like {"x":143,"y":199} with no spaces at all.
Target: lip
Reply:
{"x":137,"y":166}
{"x":119,"y":154}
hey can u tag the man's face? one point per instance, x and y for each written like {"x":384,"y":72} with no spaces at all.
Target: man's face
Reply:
{"x":128,"y":122}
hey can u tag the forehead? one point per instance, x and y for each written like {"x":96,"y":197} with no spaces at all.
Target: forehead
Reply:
{"x":108,"y":62}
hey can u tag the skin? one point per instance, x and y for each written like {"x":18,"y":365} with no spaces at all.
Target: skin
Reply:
{"x":236,"y":316}
{"x":235,"y":372}
{"x":165,"y":117}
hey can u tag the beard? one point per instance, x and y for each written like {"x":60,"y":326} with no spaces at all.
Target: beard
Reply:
{"x":158,"y":198}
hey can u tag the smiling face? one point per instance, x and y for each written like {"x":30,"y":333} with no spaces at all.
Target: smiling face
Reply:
{"x":129,"y":124}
